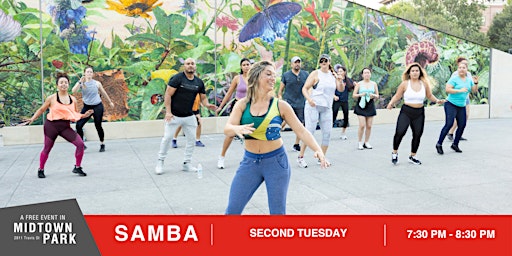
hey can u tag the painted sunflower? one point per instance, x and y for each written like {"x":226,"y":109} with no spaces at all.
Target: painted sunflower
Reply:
{"x":133,"y":8}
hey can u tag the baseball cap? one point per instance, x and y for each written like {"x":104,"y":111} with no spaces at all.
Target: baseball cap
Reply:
{"x":296,"y":58}
{"x":336,"y":67}
{"x":325,"y":56}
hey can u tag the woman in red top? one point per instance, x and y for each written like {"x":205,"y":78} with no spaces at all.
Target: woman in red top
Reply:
{"x":62,"y":111}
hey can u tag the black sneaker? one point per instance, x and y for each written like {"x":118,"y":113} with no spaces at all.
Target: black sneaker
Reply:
{"x":456,"y":148}
{"x":394,"y":158}
{"x":450,"y":136}
{"x":79,"y":171}
{"x":40,"y":173}
{"x":462,"y":138}
{"x":296,"y":147}
{"x":414,"y":160}
{"x":102,"y":148}
{"x":85,"y":147}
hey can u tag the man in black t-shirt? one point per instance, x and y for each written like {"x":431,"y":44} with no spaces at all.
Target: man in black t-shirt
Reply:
{"x":179,"y":99}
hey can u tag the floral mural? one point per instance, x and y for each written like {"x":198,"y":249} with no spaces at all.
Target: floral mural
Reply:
{"x":138,"y":44}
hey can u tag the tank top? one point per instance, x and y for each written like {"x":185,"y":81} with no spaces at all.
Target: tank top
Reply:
{"x":413,"y":97}
{"x":323,"y":92}
{"x":195,"y":107}
{"x":268,"y":126}
{"x":241,"y":88}
{"x":59,"y":111}
{"x":90,"y":94}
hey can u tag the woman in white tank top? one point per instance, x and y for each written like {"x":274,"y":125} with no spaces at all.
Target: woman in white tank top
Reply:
{"x":319,"y":93}
{"x":414,"y":89}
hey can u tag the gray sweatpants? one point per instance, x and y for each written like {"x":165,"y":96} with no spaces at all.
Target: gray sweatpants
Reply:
{"x":188,"y":125}
{"x":322,"y":116}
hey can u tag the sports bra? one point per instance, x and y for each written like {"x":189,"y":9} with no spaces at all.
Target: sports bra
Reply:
{"x":268,"y":126}
{"x":414,"y":97}
{"x":59,"y":111}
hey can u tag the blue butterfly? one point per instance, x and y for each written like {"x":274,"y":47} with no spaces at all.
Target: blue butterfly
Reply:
{"x":270,"y":23}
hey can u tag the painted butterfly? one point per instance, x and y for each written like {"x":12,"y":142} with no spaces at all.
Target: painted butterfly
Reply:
{"x":270,"y":23}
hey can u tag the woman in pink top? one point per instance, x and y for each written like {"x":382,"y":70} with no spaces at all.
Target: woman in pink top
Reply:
{"x":62,"y":111}
{"x":239,"y":84}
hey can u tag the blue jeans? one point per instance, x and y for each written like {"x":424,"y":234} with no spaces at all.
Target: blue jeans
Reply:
{"x":453,"y":112}
{"x":273,"y":168}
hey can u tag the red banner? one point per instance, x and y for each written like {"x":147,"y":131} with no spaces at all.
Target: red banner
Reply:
{"x":183,"y":235}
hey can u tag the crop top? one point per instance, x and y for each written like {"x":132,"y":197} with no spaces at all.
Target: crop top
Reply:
{"x":268,"y":126}
{"x":59,"y":111}
{"x":414,"y":97}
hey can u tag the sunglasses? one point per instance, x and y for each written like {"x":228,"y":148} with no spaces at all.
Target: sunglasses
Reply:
{"x":323,"y":60}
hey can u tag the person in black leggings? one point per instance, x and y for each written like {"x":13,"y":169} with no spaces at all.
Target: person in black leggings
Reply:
{"x":91,"y":90}
{"x":414,"y":89}
{"x":341,"y":99}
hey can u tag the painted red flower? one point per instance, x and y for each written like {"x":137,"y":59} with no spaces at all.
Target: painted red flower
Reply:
{"x":57,"y":63}
{"x":227,"y":22}
{"x":311,"y":9}
{"x":325,"y":16}
{"x":304,"y":32}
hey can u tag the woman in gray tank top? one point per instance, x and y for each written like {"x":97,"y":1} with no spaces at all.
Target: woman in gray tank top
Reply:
{"x":92,"y":90}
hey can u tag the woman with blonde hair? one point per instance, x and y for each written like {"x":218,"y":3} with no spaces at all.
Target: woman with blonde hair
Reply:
{"x":258,"y":117}
{"x":415,"y":87}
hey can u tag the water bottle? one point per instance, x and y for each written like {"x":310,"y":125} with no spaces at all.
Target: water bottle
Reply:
{"x":199,"y":171}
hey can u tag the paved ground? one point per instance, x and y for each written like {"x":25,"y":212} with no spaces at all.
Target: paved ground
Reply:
{"x":122,"y":180}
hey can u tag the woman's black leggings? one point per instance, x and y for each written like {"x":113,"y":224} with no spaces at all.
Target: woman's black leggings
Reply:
{"x":98,"y":118}
{"x":344,"y":107}
{"x":409,"y":116}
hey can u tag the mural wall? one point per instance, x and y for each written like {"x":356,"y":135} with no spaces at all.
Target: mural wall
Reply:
{"x":134,"y":45}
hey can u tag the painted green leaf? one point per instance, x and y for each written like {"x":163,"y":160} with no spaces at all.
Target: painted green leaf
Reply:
{"x":204,"y":44}
{"x":171,"y":25}
{"x":148,"y":38}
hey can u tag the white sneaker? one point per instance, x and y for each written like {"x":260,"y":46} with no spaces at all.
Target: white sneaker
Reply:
{"x":344,"y":137}
{"x":187,"y":167}
{"x":220,"y":162}
{"x":367,"y":145}
{"x":159,"y":167}
{"x":302,"y":163}
{"x":360,"y":146}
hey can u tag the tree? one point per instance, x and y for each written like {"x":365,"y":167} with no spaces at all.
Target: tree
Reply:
{"x":500,"y":32}
{"x":460,"y":18}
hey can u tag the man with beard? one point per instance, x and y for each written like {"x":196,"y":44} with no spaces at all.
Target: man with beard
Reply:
{"x":179,"y":98}
{"x":294,"y":80}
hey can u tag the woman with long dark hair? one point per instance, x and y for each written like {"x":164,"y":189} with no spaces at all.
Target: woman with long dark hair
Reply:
{"x":62,"y":111}
{"x":239,"y":87}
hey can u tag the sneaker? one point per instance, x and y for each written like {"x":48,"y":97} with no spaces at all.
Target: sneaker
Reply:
{"x":199,"y":143}
{"x":40,"y":173}
{"x":174,"y":143}
{"x":456,"y":148}
{"x":394,"y":158}
{"x":85,"y":147}
{"x":187,"y":167}
{"x":220,"y":162}
{"x":344,"y":137}
{"x":450,"y":136}
{"x":462,"y":138}
{"x":79,"y":171}
{"x":414,"y":160}
{"x":302,"y":163}
{"x":367,"y":145}
{"x":360,"y":146}
{"x":296,"y":147}
{"x":439,"y":149}
{"x":102,"y":148}
{"x":159,"y":167}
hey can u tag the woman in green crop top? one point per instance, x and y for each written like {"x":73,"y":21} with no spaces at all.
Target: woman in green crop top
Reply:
{"x":259,"y":116}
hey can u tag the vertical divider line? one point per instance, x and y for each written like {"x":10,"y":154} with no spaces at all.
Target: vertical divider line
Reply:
{"x":211,"y":234}
{"x":385,"y":236}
